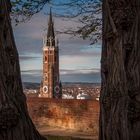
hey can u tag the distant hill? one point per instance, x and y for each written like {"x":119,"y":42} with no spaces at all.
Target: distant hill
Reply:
{"x":80,"y":84}
{"x":29,"y":85}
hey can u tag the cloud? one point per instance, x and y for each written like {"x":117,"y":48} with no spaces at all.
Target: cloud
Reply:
{"x":29,"y":36}
{"x":24,"y":58}
{"x":31,"y":78}
{"x":77,"y":57}
{"x":86,"y":78}
{"x":64,"y":71}
{"x":65,"y":76}
{"x":79,"y":61}
{"x":79,"y":71}
{"x":32,"y":72}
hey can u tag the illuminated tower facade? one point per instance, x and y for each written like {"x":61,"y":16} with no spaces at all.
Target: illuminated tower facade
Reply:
{"x":50,"y":85}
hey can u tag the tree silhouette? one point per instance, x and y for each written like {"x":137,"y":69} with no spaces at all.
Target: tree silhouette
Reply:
{"x":15,"y":123}
{"x":120,"y":69}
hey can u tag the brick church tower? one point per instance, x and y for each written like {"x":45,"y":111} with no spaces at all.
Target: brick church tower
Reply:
{"x":50,"y":85}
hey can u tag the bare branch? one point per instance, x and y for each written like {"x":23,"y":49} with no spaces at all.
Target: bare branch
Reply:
{"x":86,"y":12}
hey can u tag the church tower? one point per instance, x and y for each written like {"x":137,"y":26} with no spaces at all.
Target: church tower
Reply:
{"x":50,"y":85}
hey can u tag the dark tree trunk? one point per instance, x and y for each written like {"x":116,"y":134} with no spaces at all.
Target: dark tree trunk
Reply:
{"x":15,"y":123}
{"x":120,"y":71}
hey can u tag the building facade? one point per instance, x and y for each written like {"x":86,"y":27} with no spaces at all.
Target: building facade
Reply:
{"x":50,"y":85}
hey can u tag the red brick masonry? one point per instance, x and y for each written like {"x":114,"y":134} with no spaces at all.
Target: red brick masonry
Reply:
{"x":79,"y":115}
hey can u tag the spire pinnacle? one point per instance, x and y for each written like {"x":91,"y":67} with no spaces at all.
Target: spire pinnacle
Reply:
{"x":50,"y":33}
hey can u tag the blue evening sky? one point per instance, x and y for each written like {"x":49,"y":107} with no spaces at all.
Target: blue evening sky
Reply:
{"x":79,"y":61}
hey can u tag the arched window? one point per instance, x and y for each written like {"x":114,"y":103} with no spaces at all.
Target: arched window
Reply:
{"x":46,"y":59}
{"x":46,"y":77}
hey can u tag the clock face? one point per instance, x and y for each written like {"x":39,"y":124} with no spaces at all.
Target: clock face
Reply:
{"x":45,"y":89}
{"x":57,"y":89}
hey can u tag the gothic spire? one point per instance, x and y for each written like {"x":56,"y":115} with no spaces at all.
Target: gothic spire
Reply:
{"x":50,"y":33}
